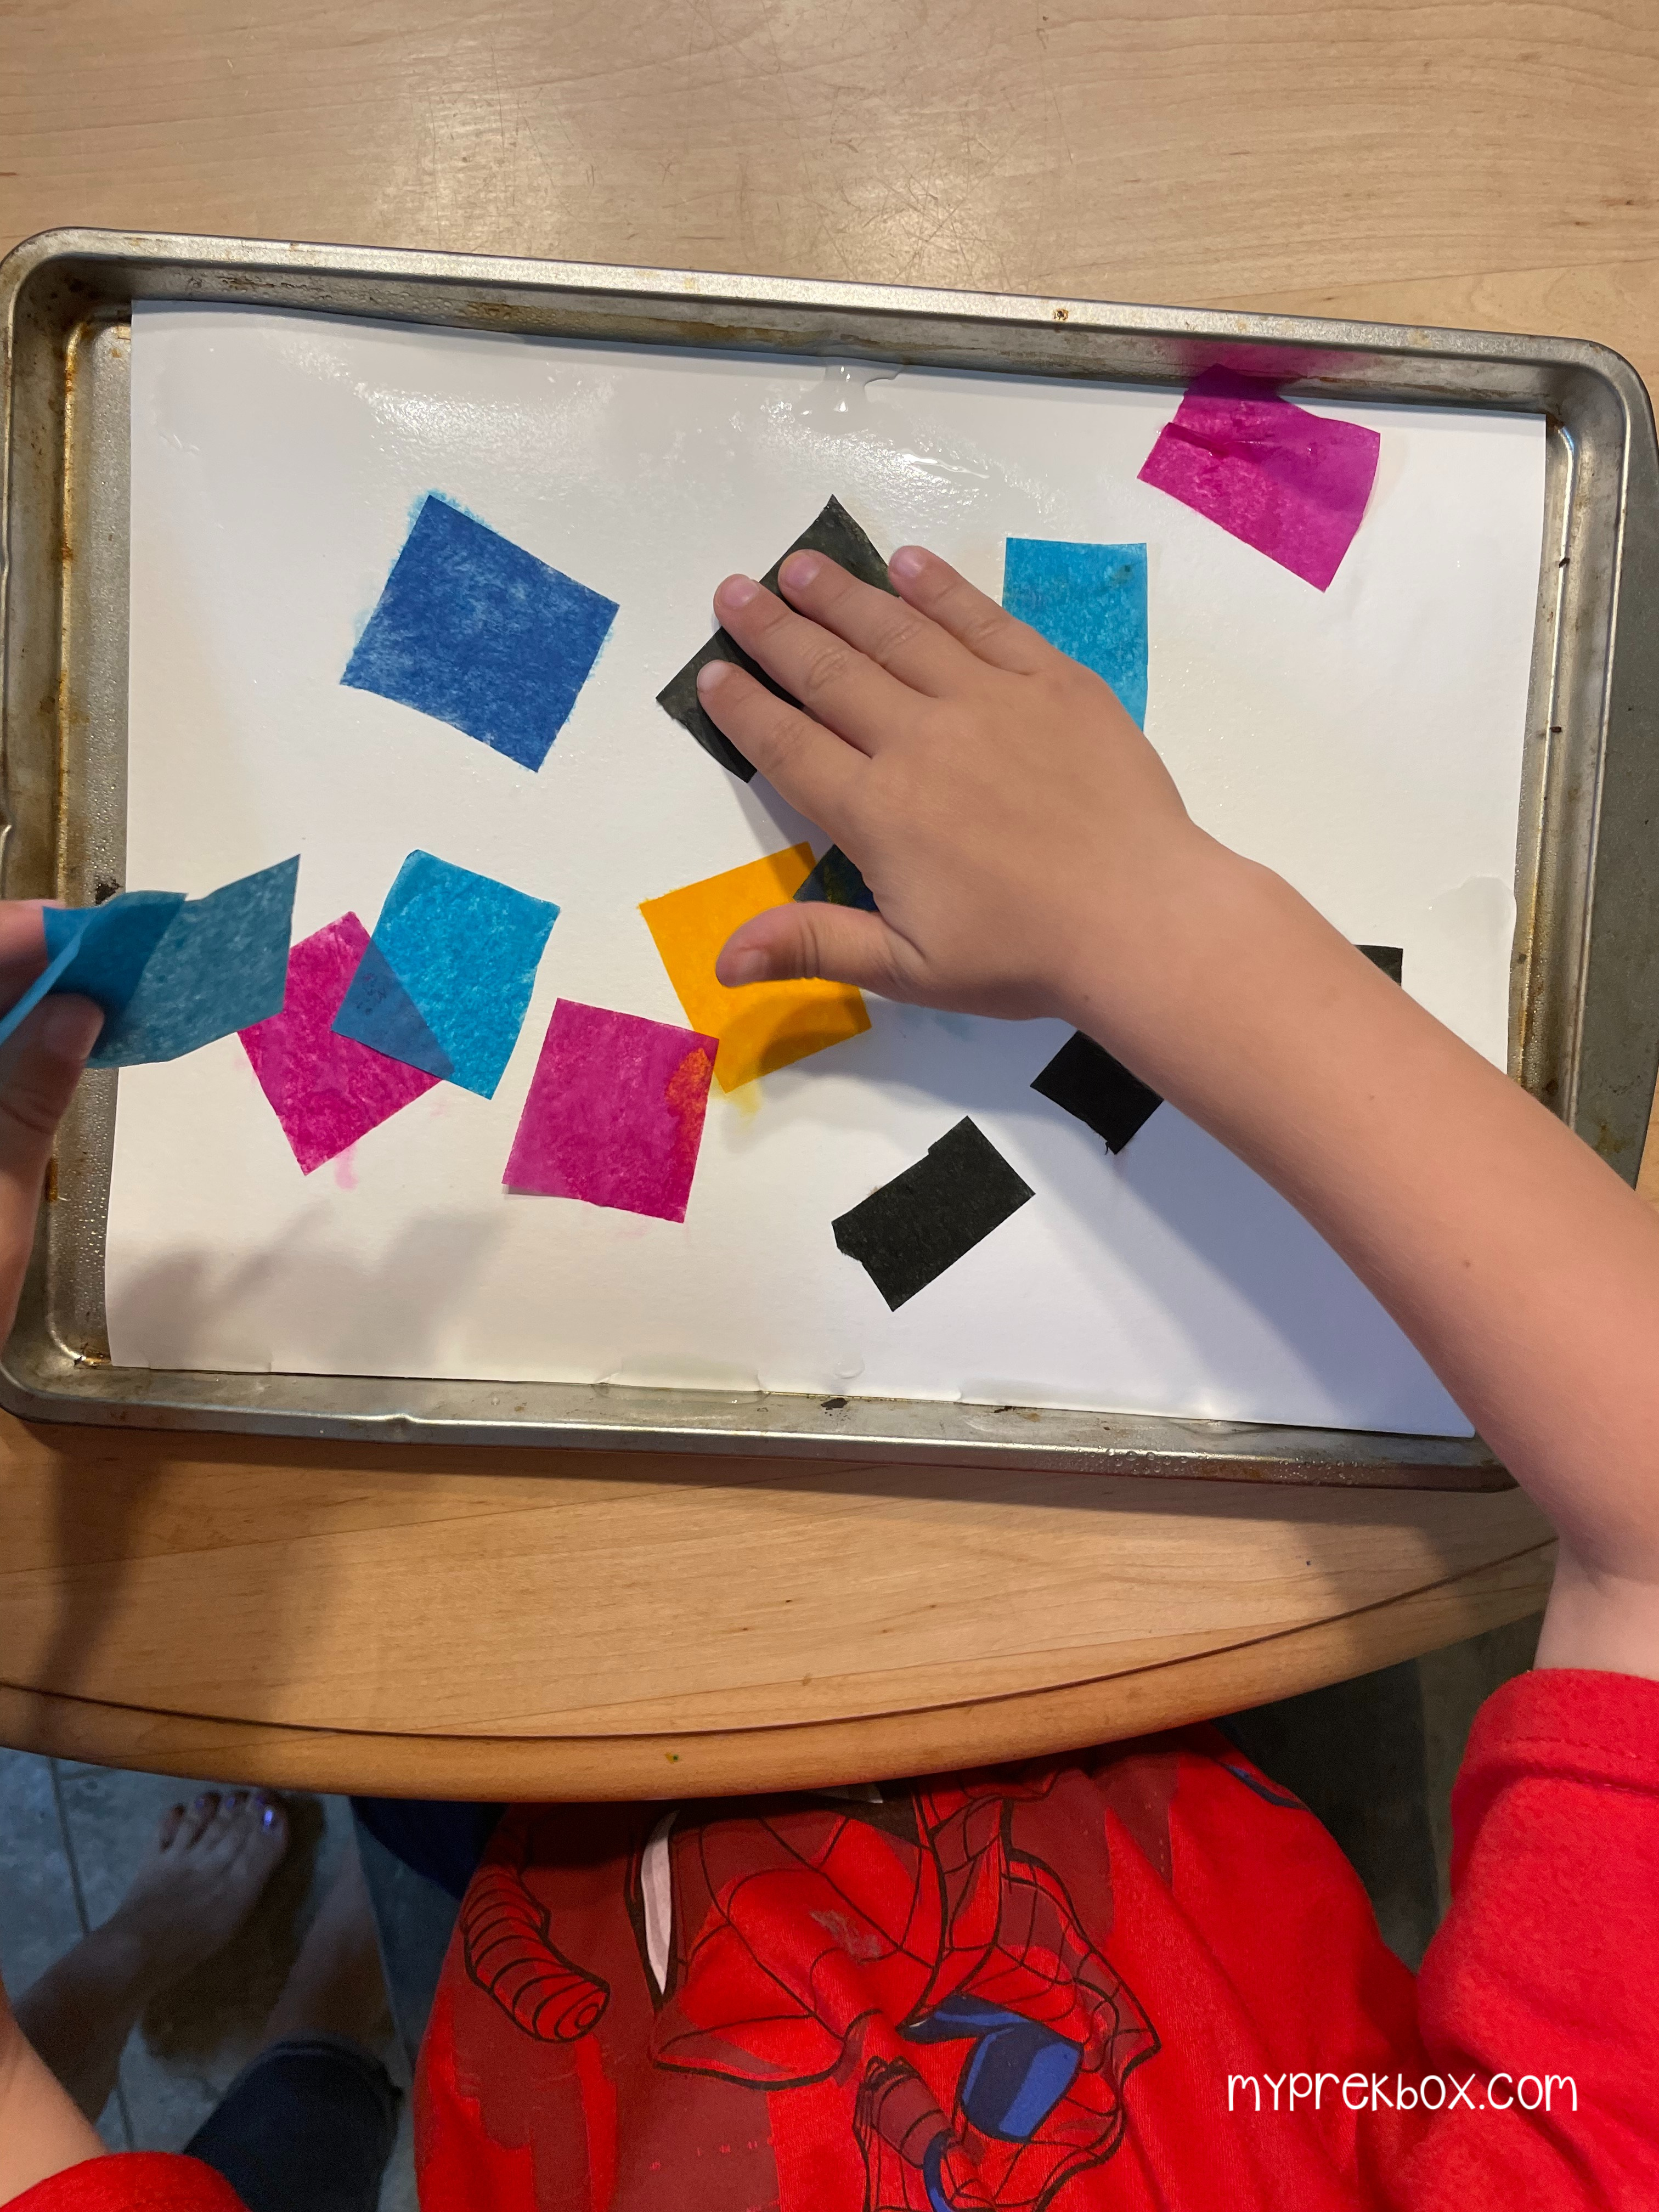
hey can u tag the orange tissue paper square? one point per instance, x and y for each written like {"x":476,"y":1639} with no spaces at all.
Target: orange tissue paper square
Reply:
{"x":762,"y":1026}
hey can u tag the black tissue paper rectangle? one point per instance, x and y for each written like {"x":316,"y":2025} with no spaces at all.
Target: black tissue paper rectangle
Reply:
{"x":1085,"y":1080}
{"x":1390,"y":958}
{"x":914,"y":1228}
{"x":835,"y":532}
{"x":835,"y":882}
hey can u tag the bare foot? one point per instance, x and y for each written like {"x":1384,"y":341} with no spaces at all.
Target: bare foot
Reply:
{"x":211,"y":1860}
{"x":194,"y":1889}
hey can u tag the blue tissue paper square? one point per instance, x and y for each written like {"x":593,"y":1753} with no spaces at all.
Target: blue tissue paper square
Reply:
{"x":111,"y":945}
{"x":447,"y":983}
{"x":171,"y":974}
{"x":1090,"y":601}
{"x":480,"y":633}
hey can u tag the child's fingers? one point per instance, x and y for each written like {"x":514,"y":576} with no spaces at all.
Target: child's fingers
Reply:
{"x":39,"y":1067}
{"x":894,"y":635}
{"x":842,"y":943}
{"x":809,"y":764}
{"x":22,"y":946}
{"x":836,"y":685}
{"x":988,"y":631}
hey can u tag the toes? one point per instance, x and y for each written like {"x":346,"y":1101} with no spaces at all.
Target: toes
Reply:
{"x":201,"y":1816}
{"x":261,"y":1821}
{"x":225,"y":1833}
{"x":272,"y":1816}
{"x":171,"y":1820}
{"x":248,"y":1820}
{"x":246,"y":1846}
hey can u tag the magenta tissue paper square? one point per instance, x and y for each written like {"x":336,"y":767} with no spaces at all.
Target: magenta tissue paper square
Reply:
{"x":1292,"y":484}
{"x":327,"y":1091}
{"x":615,"y":1112}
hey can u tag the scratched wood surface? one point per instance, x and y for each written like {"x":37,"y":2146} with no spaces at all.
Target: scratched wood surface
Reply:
{"x":533,"y":1624}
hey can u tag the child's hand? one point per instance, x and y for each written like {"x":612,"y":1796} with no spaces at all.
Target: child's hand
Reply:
{"x":1030,"y":855}
{"x":39,"y":1068}
{"x":1016,"y":828}
{"x":41,"y":2133}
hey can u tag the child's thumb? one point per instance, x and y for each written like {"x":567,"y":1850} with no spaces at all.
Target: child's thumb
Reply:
{"x":842,"y":943}
{"x":39,"y":1068}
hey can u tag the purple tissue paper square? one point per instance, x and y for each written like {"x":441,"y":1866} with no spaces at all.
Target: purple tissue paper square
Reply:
{"x":327,"y":1091}
{"x":615,"y":1112}
{"x":1292,"y":484}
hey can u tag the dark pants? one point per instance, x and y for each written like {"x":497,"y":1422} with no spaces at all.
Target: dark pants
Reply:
{"x":308,"y":2127}
{"x":443,"y":1842}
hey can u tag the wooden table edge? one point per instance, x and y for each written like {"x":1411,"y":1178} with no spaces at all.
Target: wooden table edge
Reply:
{"x":729,"y":1762}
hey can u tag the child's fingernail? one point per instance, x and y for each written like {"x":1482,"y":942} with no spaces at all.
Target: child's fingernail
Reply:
{"x":735,"y":592}
{"x":908,"y":562}
{"x":712,"y":675}
{"x":69,"y":1026}
{"x":268,"y":1818}
{"x":799,"y":570}
{"x":747,"y":967}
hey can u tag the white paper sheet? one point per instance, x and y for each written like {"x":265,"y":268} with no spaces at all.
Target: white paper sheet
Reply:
{"x":1366,"y":742}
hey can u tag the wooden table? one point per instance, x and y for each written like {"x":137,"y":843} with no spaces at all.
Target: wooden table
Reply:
{"x":533,"y":1624}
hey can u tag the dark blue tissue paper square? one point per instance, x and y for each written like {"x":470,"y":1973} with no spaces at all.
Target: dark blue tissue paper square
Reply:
{"x":472,"y":630}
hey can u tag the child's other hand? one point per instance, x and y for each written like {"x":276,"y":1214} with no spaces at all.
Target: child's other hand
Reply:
{"x":1020,"y":835}
{"x":39,"y":1067}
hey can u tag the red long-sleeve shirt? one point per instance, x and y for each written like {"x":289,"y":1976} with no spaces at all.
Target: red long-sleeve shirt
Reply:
{"x":1138,"y":1978}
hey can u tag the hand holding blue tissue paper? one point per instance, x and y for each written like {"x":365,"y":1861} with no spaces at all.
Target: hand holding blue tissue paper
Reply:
{"x":171,"y":974}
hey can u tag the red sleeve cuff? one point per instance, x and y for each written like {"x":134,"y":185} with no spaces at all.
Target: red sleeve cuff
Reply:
{"x":1605,"y":1727}
{"x":1567,"y":1724}
{"x":132,"y":2181}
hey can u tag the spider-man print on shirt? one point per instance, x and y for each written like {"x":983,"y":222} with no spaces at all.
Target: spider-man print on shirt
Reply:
{"x":885,"y":2002}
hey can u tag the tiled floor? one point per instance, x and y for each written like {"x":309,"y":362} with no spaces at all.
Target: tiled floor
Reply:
{"x":1374,"y":1757}
{"x":70,"y":1838}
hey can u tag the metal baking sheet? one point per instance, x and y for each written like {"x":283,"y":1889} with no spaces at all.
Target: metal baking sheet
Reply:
{"x":1585,"y":1009}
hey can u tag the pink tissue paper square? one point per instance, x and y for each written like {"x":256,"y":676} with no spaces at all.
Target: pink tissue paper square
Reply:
{"x":1292,"y":484}
{"x":615,"y":1112}
{"x":327,"y":1091}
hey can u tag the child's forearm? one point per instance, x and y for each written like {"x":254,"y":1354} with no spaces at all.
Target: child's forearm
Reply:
{"x":1524,"y":1270}
{"x":1029,"y":854}
{"x":41,"y":2133}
